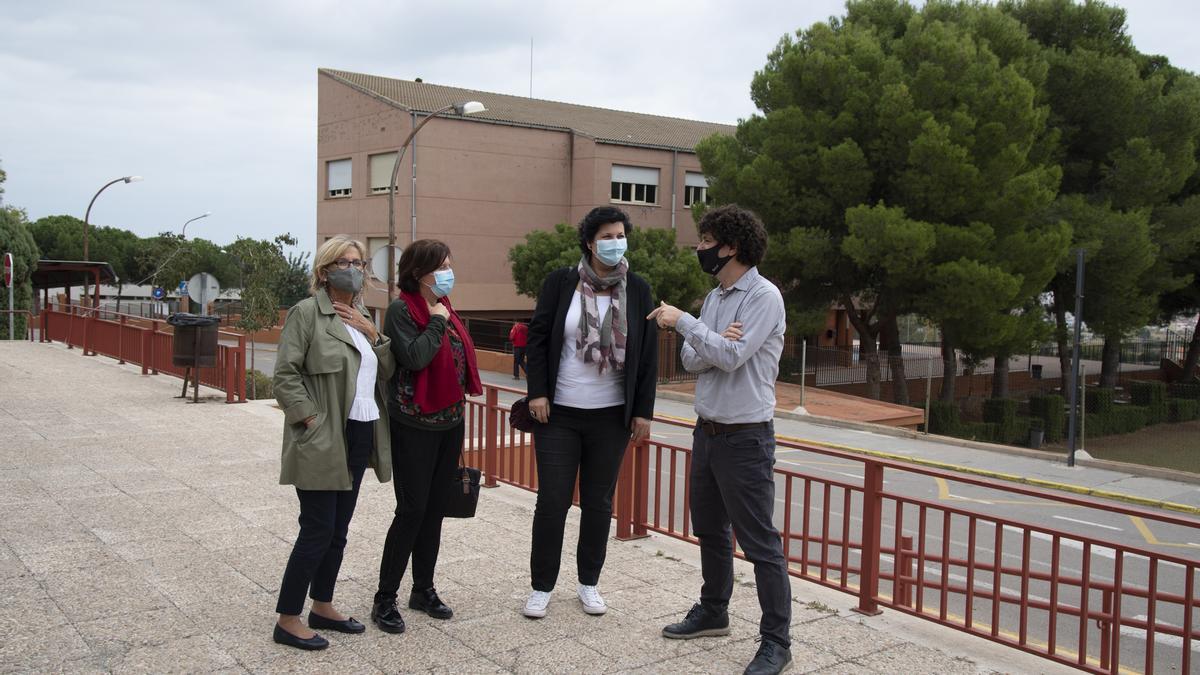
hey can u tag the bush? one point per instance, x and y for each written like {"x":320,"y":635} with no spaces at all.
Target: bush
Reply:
{"x":979,"y":431}
{"x":1095,"y":425}
{"x":1020,"y":430}
{"x":1184,"y":390}
{"x":1183,"y":409}
{"x":943,"y":418}
{"x":1099,"y":400}
{"x":259,"y":385}
{"x":1153,"y":397}
{"x":1050,"y":410}
{"x":1003,"y":413}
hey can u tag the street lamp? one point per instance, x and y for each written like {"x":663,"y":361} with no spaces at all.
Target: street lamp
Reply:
{"x":88,"y":214}
{"x":183,"y":232}
{"x":182,"y":244}
{"x":466,"y":108}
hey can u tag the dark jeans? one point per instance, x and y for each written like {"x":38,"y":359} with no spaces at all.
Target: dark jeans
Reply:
{"x":590,"y":443}
{"x":324,"y":519}
{"x":732,"y":483}
{"x":518,"y":361}
{"x":423,"y":463}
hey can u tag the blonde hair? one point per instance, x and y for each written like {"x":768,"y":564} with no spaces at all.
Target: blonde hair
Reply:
{"x":335,"y":247}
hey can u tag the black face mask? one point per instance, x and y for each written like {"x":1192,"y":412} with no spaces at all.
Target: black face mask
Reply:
{"x":711,"y":260}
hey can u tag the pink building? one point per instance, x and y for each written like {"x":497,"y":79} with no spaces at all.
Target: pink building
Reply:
{"x":482,"y":182}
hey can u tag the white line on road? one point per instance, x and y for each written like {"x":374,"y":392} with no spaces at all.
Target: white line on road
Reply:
{"x":1087,"y":522}
{"x":1169,"y":640}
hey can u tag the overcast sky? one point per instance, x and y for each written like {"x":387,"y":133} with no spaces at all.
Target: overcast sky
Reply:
{"x":215,"y":102}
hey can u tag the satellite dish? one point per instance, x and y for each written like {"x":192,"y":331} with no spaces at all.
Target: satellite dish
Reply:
{"x":203,"y":288}
{"x":379,"y":261}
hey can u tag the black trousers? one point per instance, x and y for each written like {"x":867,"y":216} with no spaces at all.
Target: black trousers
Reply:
{"x":518,"y":361}
{"x":732,"y":482}
{"x":589,"y":443}
{"x":423,"y":463}
{"x":324,"y":519}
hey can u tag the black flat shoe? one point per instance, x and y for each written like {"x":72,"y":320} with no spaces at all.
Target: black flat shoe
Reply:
{"x":347,"y":626}
{"x":387,"y":617}
{"x":313,"y":643}
{"x":428,"y":601}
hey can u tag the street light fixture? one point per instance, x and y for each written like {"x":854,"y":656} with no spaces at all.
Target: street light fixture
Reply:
{"x":88,"y":214}
{"x":182,"y":244}
{"x":183,"y":232}
{"x":461,"y":109}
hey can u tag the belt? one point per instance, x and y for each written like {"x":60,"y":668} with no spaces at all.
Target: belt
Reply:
{"x":714,"y":428}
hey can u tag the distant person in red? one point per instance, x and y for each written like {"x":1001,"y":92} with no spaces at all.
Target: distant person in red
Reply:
{"x":519,"y":337}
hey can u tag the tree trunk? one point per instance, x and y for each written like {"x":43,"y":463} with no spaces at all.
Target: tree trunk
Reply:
{"x":1110,"y":367}
{"x":1061,"y":337}
{"x":949,"y":369}
{"x":895,"y":350}
{"x":1193,"y":354}
{"x":120,"y":286}
{"x":1000,"y":376}
{"x":867,"y":347}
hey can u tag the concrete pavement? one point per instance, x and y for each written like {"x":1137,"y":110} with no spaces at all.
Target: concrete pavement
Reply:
{"x":139,"y":533}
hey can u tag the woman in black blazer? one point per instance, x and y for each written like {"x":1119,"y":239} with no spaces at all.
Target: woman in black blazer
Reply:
{"x":593,"y":360}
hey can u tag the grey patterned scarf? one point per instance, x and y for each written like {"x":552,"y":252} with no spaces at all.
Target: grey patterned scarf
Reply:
{"x":602,"y":341}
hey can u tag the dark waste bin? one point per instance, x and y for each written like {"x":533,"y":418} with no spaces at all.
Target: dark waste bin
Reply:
{"x":195,"y":342}
{"x":1035,"y":371}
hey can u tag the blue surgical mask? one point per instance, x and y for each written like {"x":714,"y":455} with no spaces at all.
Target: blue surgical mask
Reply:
{"x":610,"y":251}
{"x":443,"y":283}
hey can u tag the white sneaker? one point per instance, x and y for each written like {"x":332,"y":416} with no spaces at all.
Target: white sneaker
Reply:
{"x":535,"y":606}
{"x":592,"y":602}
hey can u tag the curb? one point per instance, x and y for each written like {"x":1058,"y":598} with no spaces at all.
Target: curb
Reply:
{"x":1134,"y":469}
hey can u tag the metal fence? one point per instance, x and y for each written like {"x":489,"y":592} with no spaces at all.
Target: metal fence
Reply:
{"x":977,"y":564}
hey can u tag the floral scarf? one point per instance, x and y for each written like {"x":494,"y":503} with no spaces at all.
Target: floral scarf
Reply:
{"x":602,"y":340}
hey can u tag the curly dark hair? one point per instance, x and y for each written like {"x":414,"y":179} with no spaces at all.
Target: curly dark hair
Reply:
{"x":601,"y":215}
{"x":731,"y":225}
{"x":420,"y":258}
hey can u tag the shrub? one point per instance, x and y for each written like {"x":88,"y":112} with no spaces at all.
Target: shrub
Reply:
{"x":1095,"y":425}
{"x":1050,"y":410}
{"x":1153,"y":397}
{"x":979,"y":431}
{"x":259,"y":385}
{"x":1020,"y":430}
{"x":1003,"y":413}
{"x":943,"y":418}
{"x":1183,"y":409}
{"x":1099,"y":400}
{"x":1184,"y":390}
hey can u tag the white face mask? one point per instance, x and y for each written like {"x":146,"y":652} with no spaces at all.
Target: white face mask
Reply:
{"x":443,"y":283}
{"x":610,"y":251}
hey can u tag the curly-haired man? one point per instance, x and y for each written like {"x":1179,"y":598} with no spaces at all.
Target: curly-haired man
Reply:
{"x":734,"y":347}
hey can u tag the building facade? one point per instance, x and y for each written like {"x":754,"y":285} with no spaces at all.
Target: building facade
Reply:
{"x":481,"y":183}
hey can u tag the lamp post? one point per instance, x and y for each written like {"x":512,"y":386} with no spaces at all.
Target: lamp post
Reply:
{"x":183,"y":236}
{"x":87,"y":215}
{"x":467,"y":108}
{"x":183,"y":232}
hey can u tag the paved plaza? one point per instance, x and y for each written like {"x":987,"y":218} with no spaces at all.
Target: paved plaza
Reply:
{"x":139,"y":533}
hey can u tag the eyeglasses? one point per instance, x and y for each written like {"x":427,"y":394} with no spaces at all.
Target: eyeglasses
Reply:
{"x":343,"y":264}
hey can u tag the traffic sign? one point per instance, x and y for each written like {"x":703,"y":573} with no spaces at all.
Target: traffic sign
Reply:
{"x":203,"y":288}
{"x":8,"y":269}
{"x":158,"y":293}
{"x":183,"y":288}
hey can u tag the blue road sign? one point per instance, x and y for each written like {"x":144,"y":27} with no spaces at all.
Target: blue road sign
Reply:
{"x":183,"y":288}
{"x":158,"y":293}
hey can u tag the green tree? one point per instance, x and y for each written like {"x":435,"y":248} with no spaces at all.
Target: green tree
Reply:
{"x":15,"y":238}
{"x":293,"y":285}
{"x":175,"y":259}
{"x":261,"y":263}
{"x":671,"y":270}
{"x":1180,"y":233}
{"x":61,"y":238}
{"x":1127,"y":126}
{"x":898,"y":156}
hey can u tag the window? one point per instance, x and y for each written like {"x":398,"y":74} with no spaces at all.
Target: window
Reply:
{"x":337,"y":177}
{"x":634,"y":184}
{"x":695,"y":188}
{"x":381,"y":172}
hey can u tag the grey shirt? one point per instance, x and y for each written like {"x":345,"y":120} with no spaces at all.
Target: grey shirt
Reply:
{"x":736,"y":382}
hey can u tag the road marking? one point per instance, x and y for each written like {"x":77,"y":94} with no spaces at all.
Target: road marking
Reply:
{"x":1168,"y":640}
{"x":1144,"y":530}
{"x":1088,"y":522}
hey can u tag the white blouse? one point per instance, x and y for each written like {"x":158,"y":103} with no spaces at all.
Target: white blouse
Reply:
{"x":364,"y":408}
{"x":579,"y":384}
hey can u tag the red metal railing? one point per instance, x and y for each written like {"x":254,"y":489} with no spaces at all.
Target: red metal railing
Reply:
{"x":978,"y":564}
{"x":145,"y":342}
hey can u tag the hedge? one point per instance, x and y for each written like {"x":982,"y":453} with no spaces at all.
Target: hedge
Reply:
{"x":943,"y":418}
{"x":263,"y":385}
{"x":1099,"y":400}
{"x":1003,"y":413}
{"x":1050,"y":409}
{"x":1152,"y":396}
{"x":1183,"y":409}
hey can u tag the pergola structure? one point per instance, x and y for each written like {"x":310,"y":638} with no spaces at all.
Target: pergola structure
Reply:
{"x":67,"y":273}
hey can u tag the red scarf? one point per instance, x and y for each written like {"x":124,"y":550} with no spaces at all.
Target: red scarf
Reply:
{"x":435,"y":387}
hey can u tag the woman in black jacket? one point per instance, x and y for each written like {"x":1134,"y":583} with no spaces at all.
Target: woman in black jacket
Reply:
{"x":592,"y":366}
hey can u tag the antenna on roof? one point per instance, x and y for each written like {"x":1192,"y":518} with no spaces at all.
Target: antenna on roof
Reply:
{"x":530,"y":66}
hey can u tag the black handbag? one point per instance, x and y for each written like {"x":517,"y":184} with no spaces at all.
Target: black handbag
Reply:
{"x":464,"y":492}
{"x":519,"y":417}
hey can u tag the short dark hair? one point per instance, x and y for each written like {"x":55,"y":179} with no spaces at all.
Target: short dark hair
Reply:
{"x":420,"y":258}
{"x":731,"y":225}
{"x":601,"y":215}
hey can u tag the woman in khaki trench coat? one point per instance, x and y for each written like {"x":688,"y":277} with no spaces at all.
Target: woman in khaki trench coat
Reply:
{"x":330,"y":379}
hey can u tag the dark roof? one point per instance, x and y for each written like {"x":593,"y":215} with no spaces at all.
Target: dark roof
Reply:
{"x":605,"y":126}
{"x":62,"y":273}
